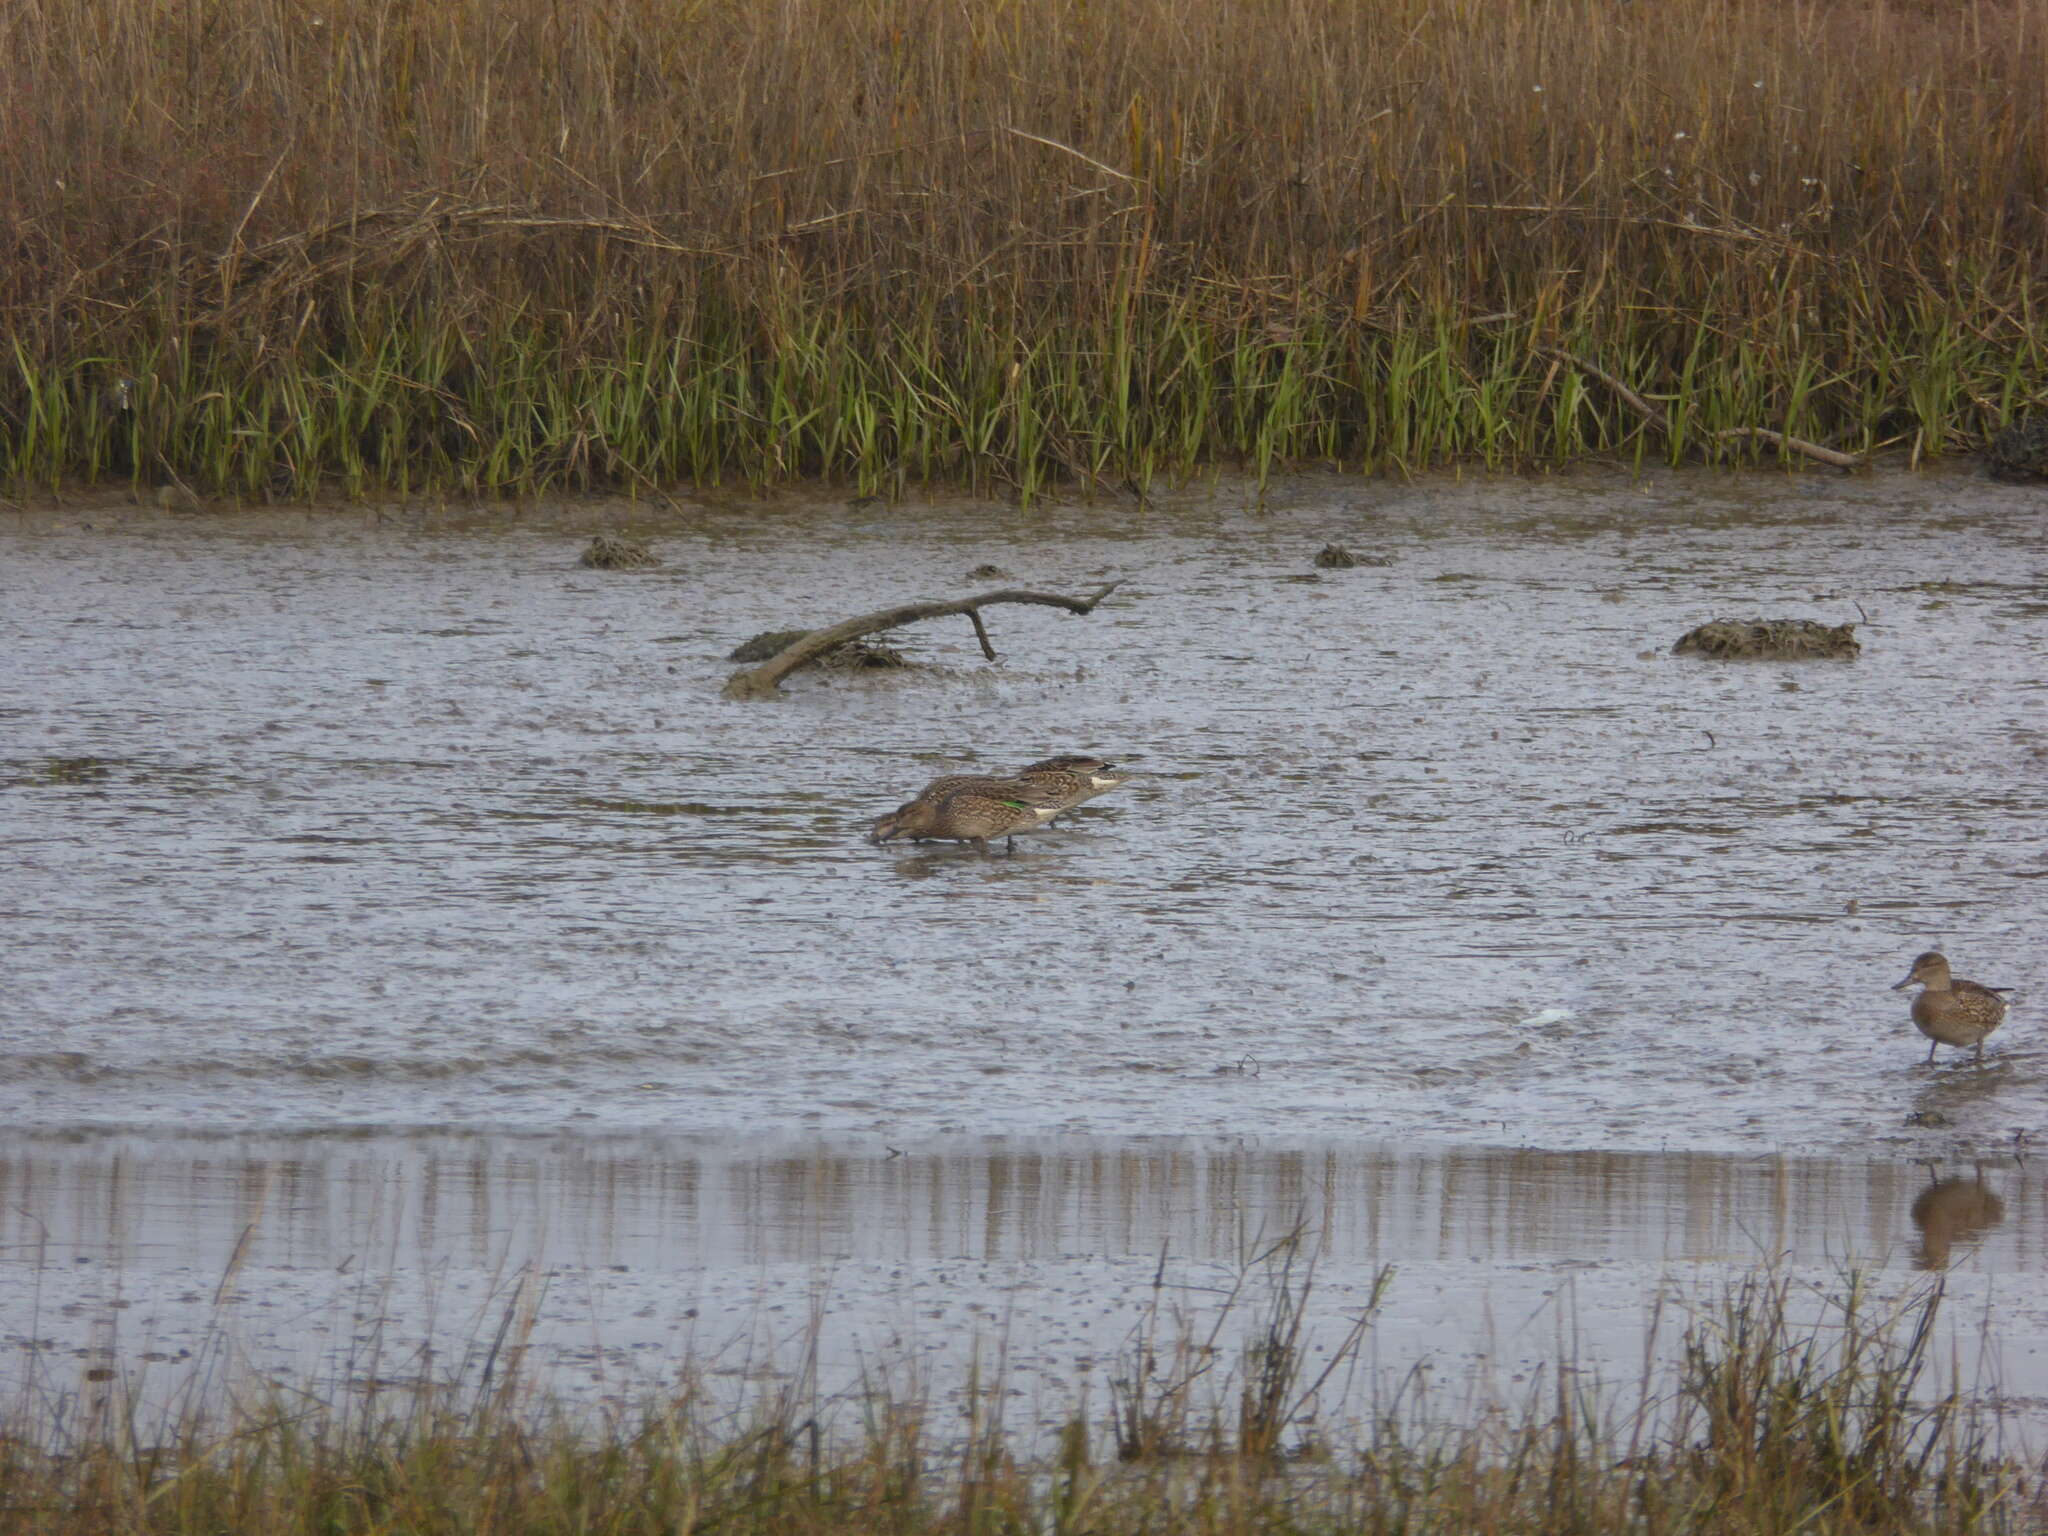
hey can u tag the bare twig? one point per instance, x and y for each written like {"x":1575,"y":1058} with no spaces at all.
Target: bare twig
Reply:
{"x":265,"y":274}
{"x":762,"y":682}
{"x":814,"y":166}
{"x":1662,"y":422}
{"x":981,"y":633}
{"x":1629,"y":397}
{"x":1068,"y":149}
{"x":1688,"y":226}
{"x":1833,"y":456}
{"x":234,"y":246}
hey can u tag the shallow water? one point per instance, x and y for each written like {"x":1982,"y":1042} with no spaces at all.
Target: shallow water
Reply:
{"x":386,"y":887}
{"x":631,"y":1266}
{"x":407,"y":820}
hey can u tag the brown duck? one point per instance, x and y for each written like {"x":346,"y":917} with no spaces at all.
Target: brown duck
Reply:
{"x":973,"y":813}
{"x":1062,"y":782}
{"x":1949,"y":1010}
{"x":1073,"y":778}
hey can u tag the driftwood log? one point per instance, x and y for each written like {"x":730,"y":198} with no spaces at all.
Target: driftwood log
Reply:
{"x":763,"y":681}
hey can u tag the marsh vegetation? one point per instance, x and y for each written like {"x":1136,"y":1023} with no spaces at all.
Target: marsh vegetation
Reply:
{"x":1779,"y":1416}
{"x":264,"y":250}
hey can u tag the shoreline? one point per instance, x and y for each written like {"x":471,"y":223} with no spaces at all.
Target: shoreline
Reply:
{"x":683,"y":505}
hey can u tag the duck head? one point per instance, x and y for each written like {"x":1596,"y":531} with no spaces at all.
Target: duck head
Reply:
{"x":1930,"y":970}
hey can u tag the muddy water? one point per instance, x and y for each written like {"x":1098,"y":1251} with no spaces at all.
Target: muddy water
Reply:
{"x":394,"y":821}
{"x":632,"y":1266}
{"x":397,"y":822}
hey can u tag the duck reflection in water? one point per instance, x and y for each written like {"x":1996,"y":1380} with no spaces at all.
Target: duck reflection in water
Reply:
{"x":1951,"y":1211}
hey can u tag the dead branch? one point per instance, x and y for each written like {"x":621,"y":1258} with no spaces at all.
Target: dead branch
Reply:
{"x":265,"y":275}
{"x":1662,"y":422}
{"x":1832,"y":456}
{"x":1629,"y":397}
{"x":762,"y":682}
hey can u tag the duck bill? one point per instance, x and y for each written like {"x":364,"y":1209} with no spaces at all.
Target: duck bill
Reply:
{"x":1902,"y":985}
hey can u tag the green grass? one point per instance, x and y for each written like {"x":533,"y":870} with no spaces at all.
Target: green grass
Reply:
{"x":266,"y":249}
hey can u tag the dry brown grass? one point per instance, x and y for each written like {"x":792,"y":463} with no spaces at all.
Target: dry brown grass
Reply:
{"x":520,"y":242}
{"x":1829,"y":1427}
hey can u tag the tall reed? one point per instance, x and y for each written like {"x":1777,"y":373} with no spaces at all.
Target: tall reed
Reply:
{"x":271,"y":247}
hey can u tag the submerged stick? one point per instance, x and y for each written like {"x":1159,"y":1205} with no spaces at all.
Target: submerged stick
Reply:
{"x":762,"y":682}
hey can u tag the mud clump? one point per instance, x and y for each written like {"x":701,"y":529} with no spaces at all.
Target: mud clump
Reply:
{"x":1335,"y":557}
{"x":76,"y":770}
{"x":852,"y":656}
{"x":2019,"y":453}
{"x":1770,"y":640}
{"x":615,"y":552}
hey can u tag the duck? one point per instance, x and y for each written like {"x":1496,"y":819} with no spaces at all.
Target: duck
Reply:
{"x":909,"y":818}
{"x":941,"y":787}
{"x":1068,"y":779}
{"x":975,"y":813}
{"x":1949,"y":1010}
{"x":1074,"y":778}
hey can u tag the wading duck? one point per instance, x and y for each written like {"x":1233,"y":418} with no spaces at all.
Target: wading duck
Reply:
{"x":1059,"y":782}
{"x":1949,"y":1010}
{"x":1074,"y":779}
{"x":982,"y":809}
